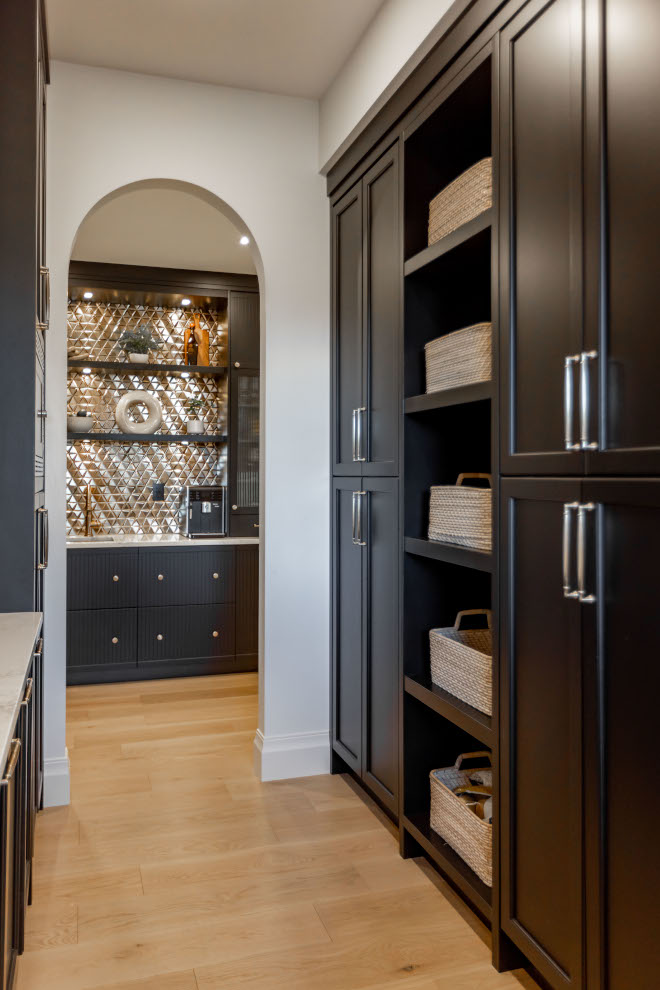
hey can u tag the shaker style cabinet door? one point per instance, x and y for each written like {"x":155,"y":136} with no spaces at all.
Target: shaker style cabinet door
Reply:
{"x":380,"y":691}
{"x":381,"y":391}
{"x":541,"y":733}
{"x":541,"y":238}
{"x":346,"y":625}
{"x":623,"y":868}
{"x":623,"y":197}
{"x":347,"y":331}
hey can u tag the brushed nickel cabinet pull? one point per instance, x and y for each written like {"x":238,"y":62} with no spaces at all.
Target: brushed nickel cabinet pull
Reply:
{"x":567,"y":537}
{"x":161,"y":577}
{"x":215,"y":575}
{"x":115,"y":577}
{"x":361,"y":497}
{"x":360,"y":433}
{"x":115,"y":640}
{"x":569,"y":401}
{"x":584,"y":598}
{"x":160,"y":637}
{"x":585,"y":400}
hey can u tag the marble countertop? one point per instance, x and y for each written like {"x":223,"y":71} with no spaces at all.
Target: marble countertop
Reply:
{"x":171,"y":540}
{"x":18,"y":632}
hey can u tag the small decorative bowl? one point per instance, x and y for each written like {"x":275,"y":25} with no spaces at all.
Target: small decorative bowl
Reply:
{"x":79,"y":424}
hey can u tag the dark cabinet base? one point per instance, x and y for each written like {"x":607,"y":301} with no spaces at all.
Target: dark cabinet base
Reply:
{"x":160,"y":669}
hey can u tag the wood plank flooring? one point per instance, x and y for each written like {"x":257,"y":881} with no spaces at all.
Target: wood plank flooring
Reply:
{"x":175,"y":869}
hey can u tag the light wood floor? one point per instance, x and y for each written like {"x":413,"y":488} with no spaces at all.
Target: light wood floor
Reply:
{"x":175,"y":869}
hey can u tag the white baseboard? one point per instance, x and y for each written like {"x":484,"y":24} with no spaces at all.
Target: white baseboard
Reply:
{"x":303,"y":754}
{"x":57,"y":781}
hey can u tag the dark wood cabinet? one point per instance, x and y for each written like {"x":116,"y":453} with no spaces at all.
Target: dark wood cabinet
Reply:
{"x":186,"y":576}
{"x":101,"y":637}
{"x":540,"y":236}
{"x":9,"y":854}
{"x":244,"y":452}
{"x":365,"y":631}
{"x":192,"y":632}
{"x":102,"y":579}
{"x":367,"y":266}
{"x":247,"y":603}
{"x":244,"y":336}
{"x":541,"y":738}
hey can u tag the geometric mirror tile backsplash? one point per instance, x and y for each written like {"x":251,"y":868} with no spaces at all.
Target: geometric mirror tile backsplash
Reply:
{"x":122,"y":474}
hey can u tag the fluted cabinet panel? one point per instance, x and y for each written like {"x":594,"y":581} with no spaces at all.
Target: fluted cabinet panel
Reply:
{"x":101,"y":636}
{"x":183,"y":577}
{"x":192,"y":632}
{"x":102,"y":579}
{"x":247,"y":600}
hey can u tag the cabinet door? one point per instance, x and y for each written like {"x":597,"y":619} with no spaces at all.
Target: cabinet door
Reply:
{"x":247,"y":601}
{"x":624,"y":875}
{"x":186,"y":577}
{"x":244,"y":452}
{"x":193,"y":632}
{"x":346,"y":627}
{"x":244,"y":329}
{"x":541,"y":236}
{"x":380,"y":690}
{"x":346,"y":331}
{"x":382,"y":346}
{"x":9,"y":864}
{"x":101,"y":637}
{"x":101,"y":579}
{"x":624,"y":124}
{"x":541,"y":733}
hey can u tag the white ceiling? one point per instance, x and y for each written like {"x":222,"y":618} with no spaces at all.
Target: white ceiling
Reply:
{"x":292,"y":47}
{"x":166,"y":228}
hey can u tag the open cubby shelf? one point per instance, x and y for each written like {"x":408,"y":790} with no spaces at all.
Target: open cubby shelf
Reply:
{"x":450,"y":863}
{"x":461,"y":714}
{"x":447,"y":286}
{"x":449,"y":243}
{"x":120,"y":367}
{"x":147,"y":437}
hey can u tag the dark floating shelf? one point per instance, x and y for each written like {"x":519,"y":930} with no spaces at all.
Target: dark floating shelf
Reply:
{"x":152,"y":369}
{"x":448,"y":243}
{"x":456,"y":711}
{"x":448,"y":397}
{"x":148,"y":437}
{"x":478,"y":559}
{"x":450,"y":863}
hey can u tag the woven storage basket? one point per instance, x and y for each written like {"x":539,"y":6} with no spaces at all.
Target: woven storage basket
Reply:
{"x":459,"y":358}
{"x":461,"y":661}
{"x":462,"y":516}
{"x":458,"y":825}
{"x":462,"y":200}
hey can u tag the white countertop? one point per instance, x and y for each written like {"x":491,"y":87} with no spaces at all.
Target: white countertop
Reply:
{"x":170,"y":540}
{"x":18,"y":632}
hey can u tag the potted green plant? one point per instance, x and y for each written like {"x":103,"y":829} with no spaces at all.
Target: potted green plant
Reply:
{"x":137,"y":343}
{"x":195,"y":424}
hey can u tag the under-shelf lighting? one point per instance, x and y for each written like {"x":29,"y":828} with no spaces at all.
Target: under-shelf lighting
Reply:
{"x":185,"y":374}
{"x":244,"y":240}
{"x":185,"y":302}
{"x":87,"y":371}
{"x":88,"y":295}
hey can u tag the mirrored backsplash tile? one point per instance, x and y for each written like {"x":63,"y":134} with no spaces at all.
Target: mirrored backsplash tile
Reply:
{"x":122,"y":473}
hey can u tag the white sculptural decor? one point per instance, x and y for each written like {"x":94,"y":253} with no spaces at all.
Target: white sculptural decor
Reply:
{"x":149,"y":425}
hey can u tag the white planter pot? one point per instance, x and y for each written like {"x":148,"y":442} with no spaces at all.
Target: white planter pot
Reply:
{"x":195,"y":426}
{"x":138,"y":358}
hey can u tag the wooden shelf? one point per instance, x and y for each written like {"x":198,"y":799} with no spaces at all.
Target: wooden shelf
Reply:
{"x":456,"y":711}
{"x":119,"y":367}
{"x":148,"y":437}
{"x":478,"y":559}
{"x":450,"y":863}
{"x":448,"y":243}
{"x":448,"y":397}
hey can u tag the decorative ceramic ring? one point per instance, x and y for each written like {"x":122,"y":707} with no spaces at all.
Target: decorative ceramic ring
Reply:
{"x":150,"y":424}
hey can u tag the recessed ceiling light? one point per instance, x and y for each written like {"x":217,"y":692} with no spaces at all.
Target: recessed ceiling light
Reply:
{"x":185,"y":302}
{"x":88,"y":295}
{"x":244,"y":240}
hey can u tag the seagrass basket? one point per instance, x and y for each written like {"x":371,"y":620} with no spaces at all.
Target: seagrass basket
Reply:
{"x":462,"y":200}
{"x":463,"y":357}
{"x":461,"y":661}
{"x":462,"y":515}
{"x":456,"y":823}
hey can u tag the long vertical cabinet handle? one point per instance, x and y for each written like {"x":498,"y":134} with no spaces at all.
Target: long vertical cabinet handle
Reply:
{"x":360,"y":433}
{"x":585,"y":400}
{"x":569,"y":401}
{"x":567,"y":536}
{"x":583,"y":510}
{"x":354,"y":518}
{"x":354,"y":435}
{"x":44,"y":539}
{"x":361,"y":497}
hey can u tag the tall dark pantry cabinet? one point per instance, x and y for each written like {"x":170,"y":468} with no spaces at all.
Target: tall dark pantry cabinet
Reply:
{"x":564,"y":96}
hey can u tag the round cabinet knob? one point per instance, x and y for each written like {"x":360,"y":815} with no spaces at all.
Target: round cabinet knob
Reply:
{"x":115,"y":577}
{"x":215,"y":634}
{"x":234,"y":507}
{"x":159,"y":637}
{"x":161,"y":577}
{"x":115,"y":640}
{"x":215,"y":575}
{"x":237,"y":364}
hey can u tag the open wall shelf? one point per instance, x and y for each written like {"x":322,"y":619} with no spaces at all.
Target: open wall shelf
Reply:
{"x":147,"y":437}
{"x":428,"y":255}
{"x":118,"y":367}
{"x":461,"y":714}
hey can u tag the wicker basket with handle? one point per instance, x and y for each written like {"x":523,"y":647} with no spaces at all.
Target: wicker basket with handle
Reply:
{"x":461,"y":661}
{"x":462,"y":515}
{"x":451,"y":818}
{"x":462,"y":200}
{"x":463,"y":357}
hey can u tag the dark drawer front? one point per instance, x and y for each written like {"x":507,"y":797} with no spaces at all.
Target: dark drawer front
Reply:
{"x":101,"y":636}
{"x":186,"y":632}
{"x":101,"y":579}
{"x":186,"y":577}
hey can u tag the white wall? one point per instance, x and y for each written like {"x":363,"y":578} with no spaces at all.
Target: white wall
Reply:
{"x":259,"y":154}
{"x":397,"y":30}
